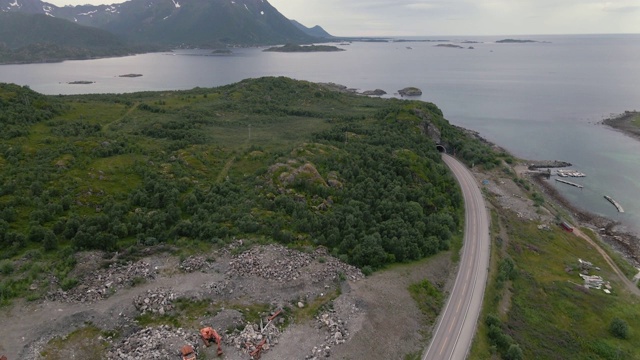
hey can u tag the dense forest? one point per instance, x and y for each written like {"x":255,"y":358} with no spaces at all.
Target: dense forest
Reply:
{"x":270,"y":159}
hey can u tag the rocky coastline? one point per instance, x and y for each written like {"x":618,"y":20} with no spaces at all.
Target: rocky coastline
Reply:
{"x":626,"y":243}
{"x":625,"y":123}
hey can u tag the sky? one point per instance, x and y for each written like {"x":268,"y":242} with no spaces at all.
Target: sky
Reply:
{"x":455,"y":17}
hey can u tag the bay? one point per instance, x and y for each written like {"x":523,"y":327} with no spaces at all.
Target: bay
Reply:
{"x":541,"y":100}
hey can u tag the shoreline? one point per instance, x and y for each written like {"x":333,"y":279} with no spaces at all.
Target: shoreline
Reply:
{"x":625,"y":243}
{"x":623,"y":123}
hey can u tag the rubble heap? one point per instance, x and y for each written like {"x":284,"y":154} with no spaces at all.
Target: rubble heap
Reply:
{"x":276,"y":262}
{"x":337,"y":334}
{"x":332,"y":267}
{"x":102,"y":283}
{"x":163,"y":342}
{"x":254,"y":339}
{"x":218,"y":287}
{"x":195,"y":263}
{"x":155,"y":301}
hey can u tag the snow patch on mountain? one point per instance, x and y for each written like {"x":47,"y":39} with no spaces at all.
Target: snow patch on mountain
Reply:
{"x":90,"y":13}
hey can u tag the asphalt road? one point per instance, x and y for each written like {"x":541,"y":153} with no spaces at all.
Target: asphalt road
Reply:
{"x":456,"y":327}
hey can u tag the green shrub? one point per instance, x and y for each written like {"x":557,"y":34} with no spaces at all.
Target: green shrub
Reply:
{"x":619,"y":328}
{"x":68,"y":283}
{"x":514,"y":353}
{"x":6,"y":267}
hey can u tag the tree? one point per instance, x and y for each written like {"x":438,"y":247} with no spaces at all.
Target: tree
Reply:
{"x":514,"y":353}
{"x":619,"y":328}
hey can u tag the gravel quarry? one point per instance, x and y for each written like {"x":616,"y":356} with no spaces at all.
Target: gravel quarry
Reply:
{"x":264,"y":300}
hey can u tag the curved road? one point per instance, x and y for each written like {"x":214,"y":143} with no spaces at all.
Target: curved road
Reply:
{"x":457,"y":324}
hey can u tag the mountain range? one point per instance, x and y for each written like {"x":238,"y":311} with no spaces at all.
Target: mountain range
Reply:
{"x":37,"y":31}
{"x":201,"y":23}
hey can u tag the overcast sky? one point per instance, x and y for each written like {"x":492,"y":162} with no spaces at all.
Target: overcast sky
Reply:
{"x":456,"y":17}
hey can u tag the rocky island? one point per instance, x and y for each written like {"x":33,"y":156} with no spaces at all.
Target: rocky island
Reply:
{"x":80,"y":82}
{"x":410,"y":91}
{"x":453,"y":46}
{"x":222,"y":52}
{"x":514,"y":41}
{"x":131,"y":75}
{"x":304,"y":48}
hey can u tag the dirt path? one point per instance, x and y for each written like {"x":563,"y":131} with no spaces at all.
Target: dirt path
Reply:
{"x":225,"y":169}
{"x":627,"y":283}
{"x":132,"y":109}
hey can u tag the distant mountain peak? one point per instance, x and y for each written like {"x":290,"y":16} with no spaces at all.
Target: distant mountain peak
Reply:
{"x":316,"y":31}
{"x":180,"y":22}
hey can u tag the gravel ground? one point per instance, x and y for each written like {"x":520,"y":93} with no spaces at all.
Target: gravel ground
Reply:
{"x":110,"y":297}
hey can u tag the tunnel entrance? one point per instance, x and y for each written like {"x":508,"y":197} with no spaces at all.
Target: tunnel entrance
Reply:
{"x":441,"y":149}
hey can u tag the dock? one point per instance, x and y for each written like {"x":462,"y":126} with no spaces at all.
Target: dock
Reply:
{"x":570,"y":183}
{"x":615,"y":203}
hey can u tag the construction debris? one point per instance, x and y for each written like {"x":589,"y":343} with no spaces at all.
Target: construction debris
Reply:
{"x":585,"y":265}
{"x":277,"y":263}
{"x":188,"y":353}
{"x":155,"y":301}
{"x":195,"y":263}
{"x":255,"y":339}
{"x":153,"y":343}
{"x":593,"y":281}
{"x":336,"y":334}
{"x":102,"y":283}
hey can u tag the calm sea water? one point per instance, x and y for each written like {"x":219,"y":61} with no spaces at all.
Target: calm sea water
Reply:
{"x":538,"y":100}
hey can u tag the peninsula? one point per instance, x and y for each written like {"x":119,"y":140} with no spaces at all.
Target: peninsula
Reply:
{"x":627,"y":122}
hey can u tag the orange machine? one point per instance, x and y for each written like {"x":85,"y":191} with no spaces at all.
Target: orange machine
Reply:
{"x":208,"y":334}
{"x":187,"y":353}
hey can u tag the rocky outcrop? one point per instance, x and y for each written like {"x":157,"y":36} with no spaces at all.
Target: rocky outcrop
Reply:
{"x":376,"y":92}
{"x":410,"y":91}
{"x":428,"y":128}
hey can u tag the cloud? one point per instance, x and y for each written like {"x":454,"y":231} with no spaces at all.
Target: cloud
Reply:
{"x":620,"y":6}
{"x":457,"y":17}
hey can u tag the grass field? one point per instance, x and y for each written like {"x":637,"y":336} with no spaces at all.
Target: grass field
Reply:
{"x":549,"y":314}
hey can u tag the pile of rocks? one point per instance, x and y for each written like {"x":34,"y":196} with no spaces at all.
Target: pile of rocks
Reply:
{"x":157,"y":301}
{"x":337,"y":334}
{"x":332,"y":267}
{"x":254,"y":337}
{"x":273,"y":262}
{"x":195,"y":263}
{"x":276,"y":262}
{"x":102,"y":283}
{"x":163,"y":342}
{"x":217,"y":287}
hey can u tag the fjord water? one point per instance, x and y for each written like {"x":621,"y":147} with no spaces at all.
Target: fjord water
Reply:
{"x":540,"y":100}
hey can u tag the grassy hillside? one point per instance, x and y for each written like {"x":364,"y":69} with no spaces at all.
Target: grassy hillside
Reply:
{"x":535,"y":304}
{"x":271,"y":159}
